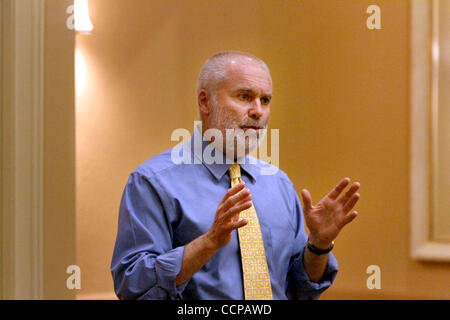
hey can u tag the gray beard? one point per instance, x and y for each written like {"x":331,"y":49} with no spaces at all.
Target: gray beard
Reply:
{"x":240,"y":141}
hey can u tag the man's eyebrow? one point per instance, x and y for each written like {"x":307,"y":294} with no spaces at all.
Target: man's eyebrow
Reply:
{"x":245,"y":90}
{"x":250,"y":90}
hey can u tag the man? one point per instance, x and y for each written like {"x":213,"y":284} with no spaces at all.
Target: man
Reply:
{"x":181,"y":234}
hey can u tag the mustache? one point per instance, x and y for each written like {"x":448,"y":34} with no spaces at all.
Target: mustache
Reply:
{"x":257,"y":124}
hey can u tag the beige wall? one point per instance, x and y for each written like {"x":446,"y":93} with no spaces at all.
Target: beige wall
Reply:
{"x":341,"y":104}
{"x":59,"y":151}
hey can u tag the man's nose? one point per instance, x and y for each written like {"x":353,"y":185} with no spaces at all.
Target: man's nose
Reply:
{"x":255,"y":110}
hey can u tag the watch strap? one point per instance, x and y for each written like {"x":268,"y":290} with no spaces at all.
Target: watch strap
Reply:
{"x":319,"y":251}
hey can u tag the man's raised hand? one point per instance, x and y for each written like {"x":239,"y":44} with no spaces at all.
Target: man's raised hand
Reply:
{"x":326,"y":219}
{"x":236,"y":199}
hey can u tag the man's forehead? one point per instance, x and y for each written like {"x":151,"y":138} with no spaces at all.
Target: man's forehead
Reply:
{"x":247,"y":73}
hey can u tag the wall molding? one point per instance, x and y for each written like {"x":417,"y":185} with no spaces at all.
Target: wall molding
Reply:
{"x":22,"y":148}
{"x":422,"y":247}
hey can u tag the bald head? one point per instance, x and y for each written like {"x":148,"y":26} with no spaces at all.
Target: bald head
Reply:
{"x":216,"y":68}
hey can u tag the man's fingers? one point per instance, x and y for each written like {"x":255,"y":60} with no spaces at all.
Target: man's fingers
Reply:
{"x":237,"y":224}
{"x":233,"y":196}
{"x":349,"y":217}
{"x":355,"y":186}
{"x":351,"y":203}
{"x":233,"y":211}
{"x":338,"y":189}
{"x":234,"y":190}
{"x":235,"y":199}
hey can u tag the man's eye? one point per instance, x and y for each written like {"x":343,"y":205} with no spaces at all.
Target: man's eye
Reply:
{"x":265,"y":100}
{"x":244,"y":96}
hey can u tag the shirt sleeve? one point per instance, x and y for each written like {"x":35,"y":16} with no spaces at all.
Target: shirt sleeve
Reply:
{"x":144,"y":263}
{"x":300,"y":287}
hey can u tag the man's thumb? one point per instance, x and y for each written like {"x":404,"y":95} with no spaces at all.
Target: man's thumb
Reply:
{"x":307,"y":201}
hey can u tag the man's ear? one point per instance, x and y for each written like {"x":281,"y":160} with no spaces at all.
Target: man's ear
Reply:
{"x":204,"y":102}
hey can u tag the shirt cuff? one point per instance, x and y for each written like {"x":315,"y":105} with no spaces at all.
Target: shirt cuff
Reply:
{"x":314,"y":289}
{"x":327,"y":278}
{"x":167,"y":267}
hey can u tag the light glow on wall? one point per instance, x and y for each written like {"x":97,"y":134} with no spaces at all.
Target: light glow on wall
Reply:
{"x":83,"y":22}
{"x":80,"y":71}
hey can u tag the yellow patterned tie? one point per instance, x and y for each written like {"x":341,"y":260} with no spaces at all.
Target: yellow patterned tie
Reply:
{"x":254,"y":264}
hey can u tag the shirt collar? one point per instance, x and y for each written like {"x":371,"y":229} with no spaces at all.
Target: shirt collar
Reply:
{"x":218,"y":170}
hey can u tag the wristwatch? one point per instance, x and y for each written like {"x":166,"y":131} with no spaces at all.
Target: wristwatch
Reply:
{"x":319,"y":251}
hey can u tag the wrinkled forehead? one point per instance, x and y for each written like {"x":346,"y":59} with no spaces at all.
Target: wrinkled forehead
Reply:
{"x":245,"y":72}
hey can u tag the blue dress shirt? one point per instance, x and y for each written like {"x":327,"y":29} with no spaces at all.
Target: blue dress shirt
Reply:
{"x":166,"y":205}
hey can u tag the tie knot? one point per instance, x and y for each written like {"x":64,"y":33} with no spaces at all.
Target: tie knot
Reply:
{"x":235,"y":171}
